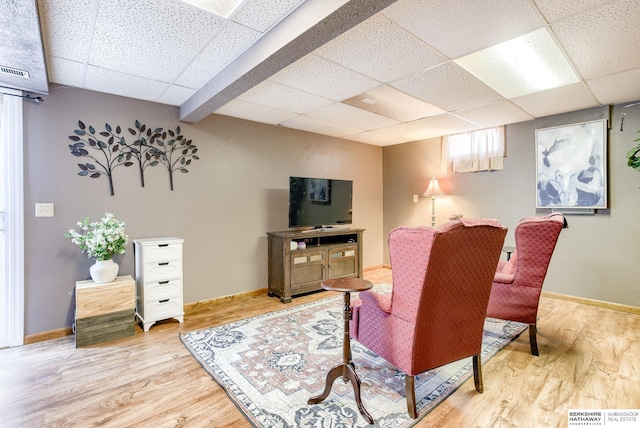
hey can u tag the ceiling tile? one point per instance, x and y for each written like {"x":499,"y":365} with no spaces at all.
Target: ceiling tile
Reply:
{"x":67,"y":27}
{"x":285,"y":98}
{"x":375,"y":138}
{"x":320,"y":76}
{"x":449,"y":87}
{"x":459,"y":27}
{"x":319,"y":126}
{"x":150,"y":38}
{"x":395,"y":134}
{"x":406,"y":131}
{"x":496,"y":114}
{"x":554,"y":10}
{"x":559,"y":100}
{"x":604,"y":40}
{"x":126,"y":85}
{"x":228,"y":44}
{"x":223,"y":8}
{"x":262,"y":14}
{"x":380,"y":49}
{"x":347,"y":115}
{"x":65,"y":72}
{"x":176,"y":95}
{"x":390,"y":102}
{"x":255,"y":112}
{"x":444,"y":124}
{"x":618,"y":88}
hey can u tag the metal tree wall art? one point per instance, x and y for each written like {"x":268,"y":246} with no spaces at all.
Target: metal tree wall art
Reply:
{"x":142,"y":148}
{"x":109,"y":152}
{"x":149,"y":148}
{"x":175,"y":153}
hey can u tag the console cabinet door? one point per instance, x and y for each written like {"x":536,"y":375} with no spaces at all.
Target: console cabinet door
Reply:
{"x":343,"y":262}
{"x":307,"y":270}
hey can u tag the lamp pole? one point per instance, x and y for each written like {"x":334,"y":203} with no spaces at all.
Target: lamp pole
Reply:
{"x":433,"y":210}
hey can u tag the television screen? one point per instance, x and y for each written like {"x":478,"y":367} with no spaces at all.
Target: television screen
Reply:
{"x":319,"y":202}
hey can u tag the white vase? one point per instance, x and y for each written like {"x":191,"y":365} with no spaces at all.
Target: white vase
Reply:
{"x":103,"y":271}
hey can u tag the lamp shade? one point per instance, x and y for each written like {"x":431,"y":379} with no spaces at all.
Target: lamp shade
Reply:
{"x":433,"y":189}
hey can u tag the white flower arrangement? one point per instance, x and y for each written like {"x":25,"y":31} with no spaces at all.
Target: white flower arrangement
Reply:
{"x":103,"y":239}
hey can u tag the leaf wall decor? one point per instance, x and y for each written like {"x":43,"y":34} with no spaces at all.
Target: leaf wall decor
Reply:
{"x":147,"y":147}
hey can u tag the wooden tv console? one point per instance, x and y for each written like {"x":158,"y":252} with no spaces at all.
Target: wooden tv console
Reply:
{"x":329,"y":253}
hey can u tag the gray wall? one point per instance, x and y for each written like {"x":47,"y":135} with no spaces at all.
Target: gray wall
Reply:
{"x":596,"y":258}
{"x":238,"y":191}
{"x":223,"y":207}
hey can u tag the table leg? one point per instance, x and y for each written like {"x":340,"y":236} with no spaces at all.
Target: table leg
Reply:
{"x":346,"y":369}
{"x":346,"y":339}
{"x":333,"y":374}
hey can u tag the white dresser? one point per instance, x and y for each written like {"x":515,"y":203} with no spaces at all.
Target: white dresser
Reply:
{"x":158,"y":280}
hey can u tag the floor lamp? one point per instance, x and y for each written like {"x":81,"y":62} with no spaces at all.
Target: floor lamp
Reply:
{"x":433,"y":190}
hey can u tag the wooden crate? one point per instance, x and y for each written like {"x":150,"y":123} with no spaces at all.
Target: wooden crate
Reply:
{"x":104,"y":311}
{"x":103,"y":328}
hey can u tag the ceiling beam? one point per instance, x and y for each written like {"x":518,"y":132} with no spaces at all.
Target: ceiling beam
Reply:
{"x":275,"y":51}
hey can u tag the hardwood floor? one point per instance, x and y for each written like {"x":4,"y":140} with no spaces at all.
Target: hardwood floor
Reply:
{"x":589,"y":358}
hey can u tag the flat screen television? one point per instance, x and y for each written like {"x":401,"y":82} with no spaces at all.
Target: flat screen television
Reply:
{"x":319,"y":202}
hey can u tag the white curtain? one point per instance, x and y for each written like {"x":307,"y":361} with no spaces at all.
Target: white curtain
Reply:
{"x":12,"y":208}
{"x":474,"y":151}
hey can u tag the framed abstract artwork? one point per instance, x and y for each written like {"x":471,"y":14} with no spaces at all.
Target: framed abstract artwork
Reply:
{"x":571,"y":162}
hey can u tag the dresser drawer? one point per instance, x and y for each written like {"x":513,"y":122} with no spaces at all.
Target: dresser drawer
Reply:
{"x":162,"y":290}
{"x":160,"y":271}
{"x":162,"y":252}
{"x":163,"y":309}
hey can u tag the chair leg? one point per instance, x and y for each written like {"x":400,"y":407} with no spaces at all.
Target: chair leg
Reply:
{"x":533,"y":330}
{"x":477,"y":373}
{"x":411,"y":395}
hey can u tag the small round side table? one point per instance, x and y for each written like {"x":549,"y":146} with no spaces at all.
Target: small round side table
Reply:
{"x":346,"y":368}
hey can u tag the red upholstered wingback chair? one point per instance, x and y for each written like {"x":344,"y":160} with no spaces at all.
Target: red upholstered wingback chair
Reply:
{"x":517,"y":284}
{"x":435,"y":313}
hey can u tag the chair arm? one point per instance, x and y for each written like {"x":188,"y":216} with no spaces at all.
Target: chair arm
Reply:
{"x":501,"y":265}
{"x":504,"y":278}
{"x":380,"y":301}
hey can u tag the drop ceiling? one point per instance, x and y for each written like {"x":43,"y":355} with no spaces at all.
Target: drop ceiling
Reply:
{"x":377,"y":72}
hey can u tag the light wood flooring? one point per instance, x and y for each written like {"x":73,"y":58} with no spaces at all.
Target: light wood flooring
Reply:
{"x":589,"y":358}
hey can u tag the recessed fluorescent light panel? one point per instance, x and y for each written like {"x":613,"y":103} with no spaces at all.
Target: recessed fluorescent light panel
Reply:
{"x":222,"y":8}
{"x":521,"y":66}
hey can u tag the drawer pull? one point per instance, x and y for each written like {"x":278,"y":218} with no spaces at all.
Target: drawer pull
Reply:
{"x":163,"y":264}
{"x":163,"y":282}
{"x":163,"y":245}
{"x":163,"y":301}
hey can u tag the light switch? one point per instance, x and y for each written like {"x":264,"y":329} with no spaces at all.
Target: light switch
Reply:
{"x":415,"y":199}
{"x":44,"y":209}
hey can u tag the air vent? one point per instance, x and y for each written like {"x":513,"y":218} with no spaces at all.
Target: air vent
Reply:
{"x":14,"y":72}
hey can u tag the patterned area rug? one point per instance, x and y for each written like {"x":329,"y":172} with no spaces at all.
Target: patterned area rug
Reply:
{"x":270,"y":365}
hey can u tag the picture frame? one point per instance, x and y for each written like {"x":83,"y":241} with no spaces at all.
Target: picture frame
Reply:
{"x":319,"y":191}
{"x":571,"y":166}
